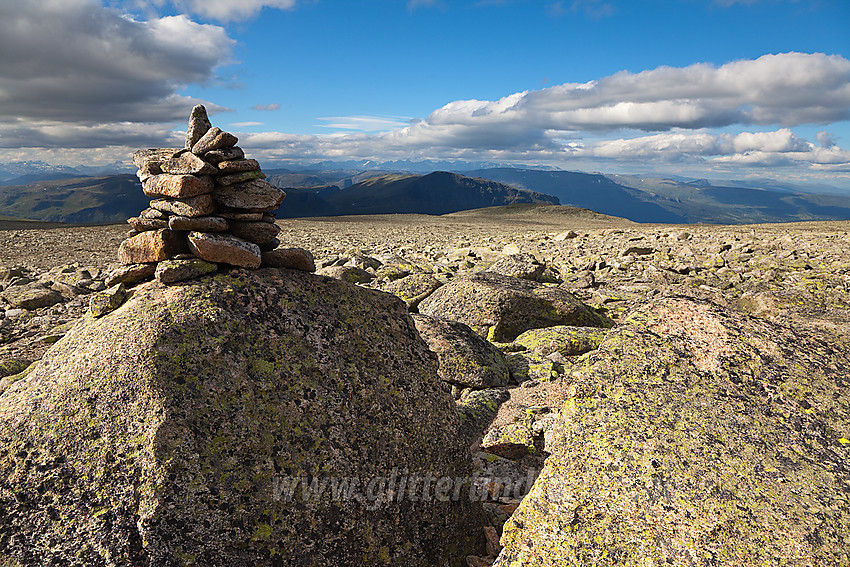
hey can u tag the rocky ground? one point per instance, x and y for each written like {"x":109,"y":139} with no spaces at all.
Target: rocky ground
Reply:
{"x":795,"y":275}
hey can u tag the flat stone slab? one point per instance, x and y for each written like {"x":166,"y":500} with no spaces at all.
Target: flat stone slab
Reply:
{"x":31,"y":296}
{"x":226,"y":249}
{"x":177,"y":186}
{"x":186,"y":162}
{"x":292,"y":258}
{"x":255,"y":196}
{"x":256,"y":232}
{"x":198,"y":224}
{"x":172,"y":271}
{"x":188,"y":207}
{"x":214,"y":139}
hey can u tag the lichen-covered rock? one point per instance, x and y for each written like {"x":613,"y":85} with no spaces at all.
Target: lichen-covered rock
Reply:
{"x":13,"y":366}
{"x":563,"y":339}
{"x":107,"y":300}
{"x":199,"y":124}
{"x":225,"y":248}
{"x":254,"y":196}
{"x":142,"y":224}
{"x":167,"y":433}
{"x":224,"y":154}
{"x":465,"y":358}
{"x":30,"y":296}
{"x":348,"y":274}
{"x":530,"y":365}
{"x":240,"y":177}
{"x":698,"y":436}
{"x":477,"y":410}
{"x":523,"y":266}
{"x":199,"y":224}
{"x":413,"y":289}
{"x":213,"y":139}
{"x":291,"y":258}
{"x":131,"y":274}
{"x":172,"y":271}
{"x":188,"y":207}
{"x":187,"y":163}
{"x":238,"y":165}
{"x":501,"y":307}
{"x":256,"y":232}
{"x":510,"y":441}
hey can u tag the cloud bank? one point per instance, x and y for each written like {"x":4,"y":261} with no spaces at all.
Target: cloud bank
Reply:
{"x":77,"y":74}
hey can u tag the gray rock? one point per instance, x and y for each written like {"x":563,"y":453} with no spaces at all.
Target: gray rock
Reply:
{"x":173,"y":427}
{"x":188,"y":207}
{"x":213,"y":139}
{"x":692,"y":413}
{"x":107,"y":301}
{"x":291,"y":258}
{"x":256,"y":232}
{"x":477,"y":410}
{"x":199,"y":224}
{"x":238,"y":165}
{"x":172,"y":271}
{"x":563,"y":339}
{"x":225,"y":249}
{"x":131,"y":274}
{"x":465,"y":358}
{"x":185,"y":162}
{"x":348,"y":274}
{"x":30,"y":296}
{"x":224,"y":154}
{"x":255,"y":196}
{"x":499,"y":307}
{"x":413,"y":289}
{"x":152,"y":157}
{"x":240,"y":177}
{"x":524,"y":266}
{"x":142,"y":224}
{"x":199,"y":124}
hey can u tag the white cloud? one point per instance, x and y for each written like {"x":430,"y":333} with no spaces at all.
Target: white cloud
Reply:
{"x":266,"y":107}
{"x":365,"y":123}
{"x":78,"y":74}
{"x":245,"y":124}
{"x":230,"y":10}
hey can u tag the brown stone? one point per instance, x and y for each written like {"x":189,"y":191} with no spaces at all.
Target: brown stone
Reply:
{"x":255,"y":196}
{"x":131,"y":274}
{"x":199,"y":124}
{"x":256,"y":232}
{"x":292,"y":258}
{"x":151,"y":246}
{"x":153,"y":156}
{"x":189,"y":207}
{"x":200,"y":224}
{"x":142,"y":224}
{"x":153,"y":214}
{"x":234,"y":215}
{"x":225,"y":248}
{"x":238,"y":165}
{"x":214,"y":139}
{"x":30,"y":296}
{"x":240,"y":177}
{"x":187,"y":163}
{"x":177,"y":186}
{"x":224,"y":154}
{"x":172,"y":271}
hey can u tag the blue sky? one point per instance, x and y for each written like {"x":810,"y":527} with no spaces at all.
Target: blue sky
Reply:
{"x":705,"y":88}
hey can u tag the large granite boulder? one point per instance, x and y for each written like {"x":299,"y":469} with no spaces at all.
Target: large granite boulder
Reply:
{"x":500,"y":307}
{"x":465,"y":358}
{"x":698,"y":436}
{"x":197,"y":424}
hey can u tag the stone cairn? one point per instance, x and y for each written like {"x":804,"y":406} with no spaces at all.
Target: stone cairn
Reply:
{"x":210,"y":206}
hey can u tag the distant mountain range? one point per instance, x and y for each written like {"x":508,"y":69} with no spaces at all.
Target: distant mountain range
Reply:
{"x":437,"y":193}
{"x":330,"y":192}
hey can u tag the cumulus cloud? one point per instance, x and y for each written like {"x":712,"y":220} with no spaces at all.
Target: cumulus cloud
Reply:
{"x":230,"y":10}
{"x":73,"y":67}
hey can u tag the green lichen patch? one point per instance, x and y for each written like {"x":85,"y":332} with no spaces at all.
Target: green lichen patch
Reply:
{"x":696,"y":436}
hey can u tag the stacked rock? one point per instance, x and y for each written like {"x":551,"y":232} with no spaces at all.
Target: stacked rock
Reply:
{"x":210,"y":205}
